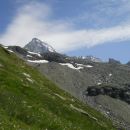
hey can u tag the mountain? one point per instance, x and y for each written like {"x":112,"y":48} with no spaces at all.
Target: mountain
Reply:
{"x":38,"y":46}
{"x":28,"y":100}
{"x":105,"y":86}
{"x":113,"y":61}
{"x":128,"y":63}
{"x":92,"y":58}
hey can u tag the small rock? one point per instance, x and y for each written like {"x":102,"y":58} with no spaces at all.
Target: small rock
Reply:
{"x":1,"y":65}
{"x":30,"y":80}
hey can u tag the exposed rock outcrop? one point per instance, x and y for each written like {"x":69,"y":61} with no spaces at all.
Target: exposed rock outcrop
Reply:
{"x":128,"y":63}
{"x":114,"y":92}
{"x":113,"y":61}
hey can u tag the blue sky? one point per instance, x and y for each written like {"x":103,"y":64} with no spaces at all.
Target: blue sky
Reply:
{"x":75,"y":27}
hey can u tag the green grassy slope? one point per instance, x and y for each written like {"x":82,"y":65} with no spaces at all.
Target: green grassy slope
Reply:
{"x":29,"y":101}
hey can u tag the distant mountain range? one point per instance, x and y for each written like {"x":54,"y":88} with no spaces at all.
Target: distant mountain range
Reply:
{"x":105,"y":86}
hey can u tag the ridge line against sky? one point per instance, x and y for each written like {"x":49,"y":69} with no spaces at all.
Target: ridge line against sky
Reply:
{"x":91,"y":27}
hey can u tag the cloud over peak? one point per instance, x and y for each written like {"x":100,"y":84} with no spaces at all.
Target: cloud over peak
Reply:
{"x":35,"y":20}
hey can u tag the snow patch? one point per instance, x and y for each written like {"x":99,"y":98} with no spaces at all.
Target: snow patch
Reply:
{"x":29,"y":56}
{"x":108,"y":112}
{"x":110,"y":75}
{"x":38,"y":61}
{"x":71,"y":66}
{"x":6,"y":47}
{"x":50,"y":49}
{"x":83,"y":57}
{"x":89,"y":66}
{"x":33,"y":53}
{"x":81,"y":65}
{"x":99,"y":83}
{"x":11,"y":51}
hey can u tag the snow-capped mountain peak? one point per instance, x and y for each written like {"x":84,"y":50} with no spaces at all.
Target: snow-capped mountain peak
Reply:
{"x":39,"y":46}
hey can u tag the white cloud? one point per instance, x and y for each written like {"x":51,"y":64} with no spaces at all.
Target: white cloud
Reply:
{"x":103,"y":13}
{"x":34,"y":20}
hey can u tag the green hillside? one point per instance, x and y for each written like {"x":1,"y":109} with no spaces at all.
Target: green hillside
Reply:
{"x":29,"y":101}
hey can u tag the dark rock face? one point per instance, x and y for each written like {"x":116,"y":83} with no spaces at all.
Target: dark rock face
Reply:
{"x":18,"y":49}
{"x":56,"y":57}
{"x":113,"y":61}
{"x":114,"y":92}
{"x":23,"y":53}
{"x":128,"y":63}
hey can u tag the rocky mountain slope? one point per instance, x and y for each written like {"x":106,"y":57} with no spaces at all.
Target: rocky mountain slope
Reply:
{"x":78,"y":80}
{"x":105,"y":86}
{"x":28,"y":100}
